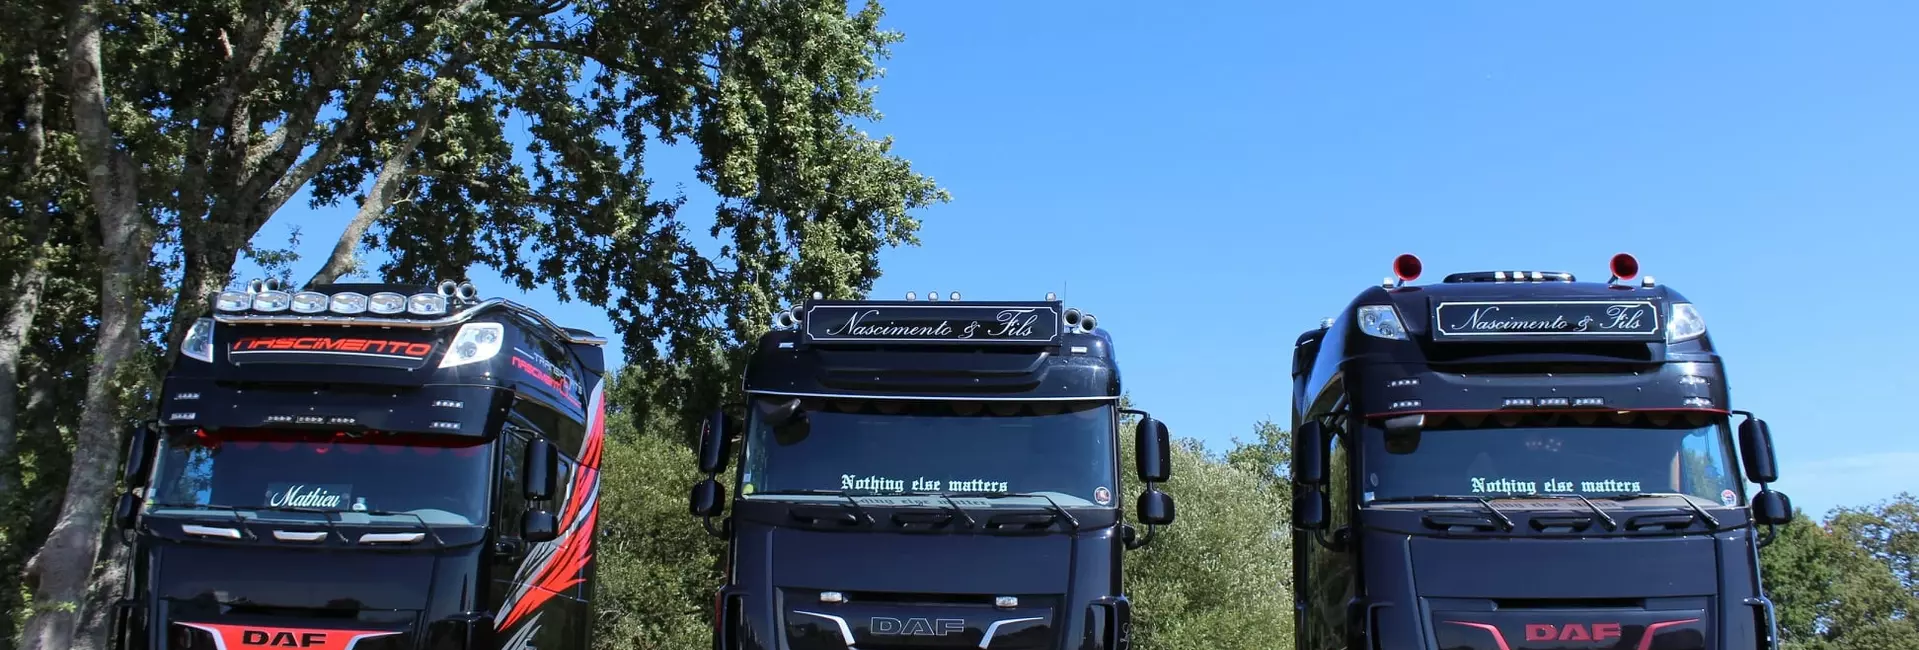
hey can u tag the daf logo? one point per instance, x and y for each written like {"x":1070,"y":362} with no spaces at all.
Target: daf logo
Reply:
{"x":917,"y":626}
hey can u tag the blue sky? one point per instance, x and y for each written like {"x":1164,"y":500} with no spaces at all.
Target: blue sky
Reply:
{"x":1210,"y":184}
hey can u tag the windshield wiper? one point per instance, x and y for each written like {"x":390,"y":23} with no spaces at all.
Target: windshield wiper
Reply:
{"x":1603,"y":517}
{"x":957,"y":509}
{"x":1505,"y":522}
{"x":1711,"y":523}
{"x":844,"y":494}
{"x":1071,"y":522}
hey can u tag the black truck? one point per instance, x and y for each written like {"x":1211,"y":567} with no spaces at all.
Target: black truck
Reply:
{"x":1516,"y":460}
{"x":928,"y":474}
{"x":366,"y":467}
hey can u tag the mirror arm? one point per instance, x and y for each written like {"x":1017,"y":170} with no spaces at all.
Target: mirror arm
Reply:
{"x":1319,"y":536}
{"x":719,"y":531}
{"x":1772,"y":530}
{"x":1133,"y":411}
{"x":1140,"y":541}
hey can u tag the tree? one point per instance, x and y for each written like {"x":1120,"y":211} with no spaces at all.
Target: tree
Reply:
{"x":1888,"y":532}
{"x":1269,"y":455}
{"x":1831,"y":593}
{"x":1220,"y":576}
{"x":221,"y":112}
{"x":658,"y":568}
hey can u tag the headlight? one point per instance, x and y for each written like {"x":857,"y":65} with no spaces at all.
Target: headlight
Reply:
{"x":233,"y":301}
{"x":199,"y":341}
{"x":386,"y":302}
{"x":1685,"y":324}
{"x":476,"y":342}
{"x":426,"y":304}
{"x":348,"y":303}
{"x":308,"y":302}
{"x":1381,"y":321}
{"x":271,"y":301}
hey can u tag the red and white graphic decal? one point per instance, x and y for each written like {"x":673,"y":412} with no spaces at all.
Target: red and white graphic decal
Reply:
{"x":333,"y":345}
{"x":554,"y":381}
{"x":252,"y":637}
{"x":551,"y":568}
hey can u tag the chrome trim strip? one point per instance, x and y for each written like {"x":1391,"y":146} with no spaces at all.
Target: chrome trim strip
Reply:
{"x":388,"y":538}
{"x":846,"y":632}
{"x":373,"y":321}
{"x":969,"y":398}
{"x":994,"y":628}
{"x":210,"y":531}
{"x":299,"y":535}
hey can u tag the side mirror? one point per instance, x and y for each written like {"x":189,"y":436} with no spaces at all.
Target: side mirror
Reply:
{"x":1755,"y":448}
{"x":716,"y":443}
{"x":1309,"y":508}
{"x":707,"y":499}
{"x":1156,"y":508}
{"x":1153,"y":454}
{"x":126,"y":511}
{"x":1771,"y":508}
{"x":1309,"y":456}
{"x":539,"y":526}
{"x":542,"y":471}
{"x":139,"y":462}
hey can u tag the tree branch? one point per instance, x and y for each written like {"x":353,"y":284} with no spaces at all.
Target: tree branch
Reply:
{"x":282,"y":186}
{"x":380,"y":197}
{"x":325,"y":75}
{"x":259,"y":37}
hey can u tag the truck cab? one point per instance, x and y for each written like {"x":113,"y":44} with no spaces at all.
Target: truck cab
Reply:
{"x":928,"y":474}
{"x":366,"y":467}
{"x":1517,"y":460}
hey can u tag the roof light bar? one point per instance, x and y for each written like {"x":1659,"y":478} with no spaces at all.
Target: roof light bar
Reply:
{"x":266,"y":296}
{"x":465,"y":314}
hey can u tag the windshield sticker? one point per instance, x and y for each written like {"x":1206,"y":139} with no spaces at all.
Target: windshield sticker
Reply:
{"x":1729,"y":498}
{"x":1102,"y":495}
{"x":1483,"y":485}
{"x":921,"y":484}
{"x":305,"y":495}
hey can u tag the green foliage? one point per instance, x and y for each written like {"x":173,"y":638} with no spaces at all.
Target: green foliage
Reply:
{"x":1220,"y":576}
{"x":1846,"y":585}
{"x":657,"y":567}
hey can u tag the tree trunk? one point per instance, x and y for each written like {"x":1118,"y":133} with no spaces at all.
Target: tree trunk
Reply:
{"x":60,"y":571}
{"x":209,"y":252}
{"x":109,"y":580}
{"x":17,"y":322}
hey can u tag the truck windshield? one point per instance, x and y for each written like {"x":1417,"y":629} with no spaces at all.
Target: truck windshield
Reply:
{"x":1595,"y":455}
{"x":303,"y":475}
{"x":1063,"y":450}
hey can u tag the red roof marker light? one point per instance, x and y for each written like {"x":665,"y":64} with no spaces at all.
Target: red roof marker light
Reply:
{"x":1406,"y":267}
{"x":1625,"y":266}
